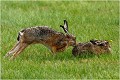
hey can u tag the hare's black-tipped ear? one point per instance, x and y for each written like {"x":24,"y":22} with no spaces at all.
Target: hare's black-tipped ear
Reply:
{"x":93,"y":41}
{"x":66,"y":25}
{"x":63,"y":28}
{"x":101,"y":44}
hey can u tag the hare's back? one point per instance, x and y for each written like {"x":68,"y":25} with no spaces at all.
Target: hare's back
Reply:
{"x":39,"y":33}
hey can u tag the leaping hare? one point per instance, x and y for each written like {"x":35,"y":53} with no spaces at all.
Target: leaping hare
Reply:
{"x":55,"y":41}
{"x":94,"y":46}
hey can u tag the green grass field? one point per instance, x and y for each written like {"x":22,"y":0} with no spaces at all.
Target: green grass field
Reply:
{"x":87,"y":20}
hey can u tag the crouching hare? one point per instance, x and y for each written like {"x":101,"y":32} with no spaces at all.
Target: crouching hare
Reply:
{"x":55,"y":41}
{"x":94,"y":46}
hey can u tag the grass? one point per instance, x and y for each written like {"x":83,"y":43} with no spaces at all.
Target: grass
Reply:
{"x":87,"y":20}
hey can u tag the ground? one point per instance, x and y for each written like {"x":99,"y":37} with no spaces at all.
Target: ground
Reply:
{"x":86,"y":19}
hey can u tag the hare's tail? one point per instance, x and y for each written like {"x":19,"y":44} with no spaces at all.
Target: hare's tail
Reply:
{"x":18,"y":38}
{"x":20,"y":34}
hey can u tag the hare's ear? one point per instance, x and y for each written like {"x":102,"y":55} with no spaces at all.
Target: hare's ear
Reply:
{"x":101,"y":44}
{"x":105,"y":43}
{"x":63,"y":28}
{"x":93,"y":41}
{"x":66,"y":25}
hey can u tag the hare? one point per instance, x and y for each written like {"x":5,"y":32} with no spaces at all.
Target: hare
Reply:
{"x":94,"y":46}
{"x":55,"y":41}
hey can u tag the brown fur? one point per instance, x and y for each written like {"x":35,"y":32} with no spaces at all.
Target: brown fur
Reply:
{"x":55,"y":41}
{"x":94,"y":46}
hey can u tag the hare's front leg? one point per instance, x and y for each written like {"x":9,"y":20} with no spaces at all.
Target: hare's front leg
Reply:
{"x":61,"y":46}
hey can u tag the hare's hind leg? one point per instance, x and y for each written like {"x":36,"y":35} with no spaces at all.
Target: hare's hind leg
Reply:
{"x":22,"y":47}
{"x":13,"y":50}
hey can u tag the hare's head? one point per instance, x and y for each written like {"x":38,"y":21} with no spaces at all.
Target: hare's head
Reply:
{"x":68,"y":37}
{"x":104,"y":46}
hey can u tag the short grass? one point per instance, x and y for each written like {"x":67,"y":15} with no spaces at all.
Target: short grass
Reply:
{"x":87,"y":20}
